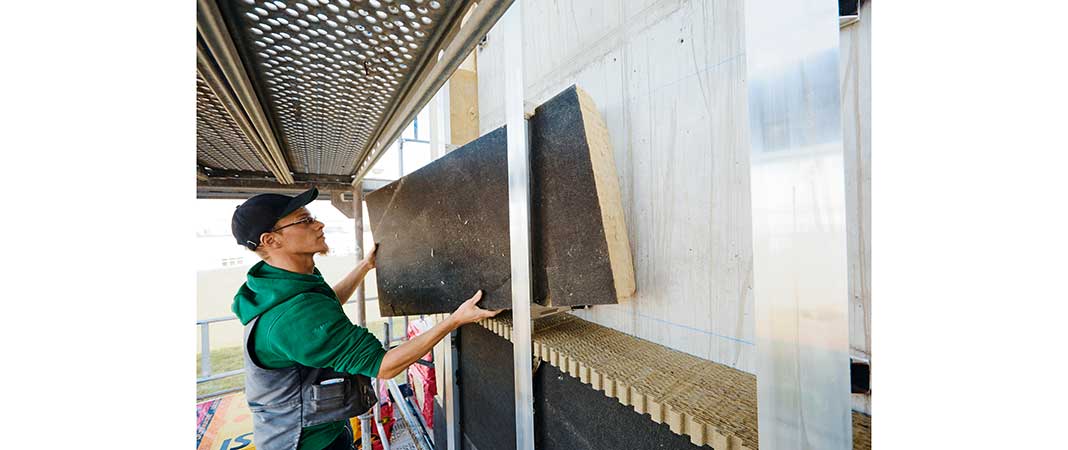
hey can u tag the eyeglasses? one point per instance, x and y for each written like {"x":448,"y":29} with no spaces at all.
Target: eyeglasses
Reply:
{"x":308,"y":219}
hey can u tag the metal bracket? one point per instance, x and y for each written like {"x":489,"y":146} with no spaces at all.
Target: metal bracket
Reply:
{"x":859,"y":377}
{"x":537,"y":311}
{"x":343,"y":202}
{"x":528,"y":109}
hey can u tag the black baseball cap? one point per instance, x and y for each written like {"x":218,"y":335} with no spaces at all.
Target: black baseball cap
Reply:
{"x":259,"y":214}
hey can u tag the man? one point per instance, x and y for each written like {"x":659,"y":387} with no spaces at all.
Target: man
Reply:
{"x":302,"y":354}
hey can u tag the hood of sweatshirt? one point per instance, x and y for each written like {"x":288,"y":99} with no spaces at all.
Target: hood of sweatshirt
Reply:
{"x":267,"y":286}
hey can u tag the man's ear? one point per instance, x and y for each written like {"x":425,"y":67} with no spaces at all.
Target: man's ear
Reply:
{"x":270,"y":240}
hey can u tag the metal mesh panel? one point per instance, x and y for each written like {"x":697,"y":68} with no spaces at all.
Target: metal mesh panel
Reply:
{"x":220,"y":143}
{"x":328,"y":70}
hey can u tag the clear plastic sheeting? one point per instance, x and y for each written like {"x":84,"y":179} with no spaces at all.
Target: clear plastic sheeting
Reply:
{"x":799,"y":240}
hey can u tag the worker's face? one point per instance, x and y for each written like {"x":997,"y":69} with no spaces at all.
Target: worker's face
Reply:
{"x":297,"y":233}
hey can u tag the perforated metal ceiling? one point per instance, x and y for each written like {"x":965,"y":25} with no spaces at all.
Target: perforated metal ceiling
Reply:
{"x":329,"y":70}
{"x":220,"y":143}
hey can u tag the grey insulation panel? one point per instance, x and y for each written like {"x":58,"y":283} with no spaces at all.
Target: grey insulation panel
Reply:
{"x":443,"y":230}
{"x":595,"y":387}
{"x":567,"y":413}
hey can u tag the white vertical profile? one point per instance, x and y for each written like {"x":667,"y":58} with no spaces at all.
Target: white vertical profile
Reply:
{"x":799,"y":239}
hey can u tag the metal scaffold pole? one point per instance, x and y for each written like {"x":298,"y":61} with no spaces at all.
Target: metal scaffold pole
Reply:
{"x":519,"y":225}
{"x":361,"y":299}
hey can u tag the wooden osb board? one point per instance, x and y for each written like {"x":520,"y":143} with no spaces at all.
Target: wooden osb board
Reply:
{"x":463,"y":106}
{"x":443,"y":229}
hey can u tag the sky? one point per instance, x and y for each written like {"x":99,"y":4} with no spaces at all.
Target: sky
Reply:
{"x":217,"y":249}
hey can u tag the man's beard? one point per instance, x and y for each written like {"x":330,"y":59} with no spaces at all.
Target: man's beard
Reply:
{"x":324,"y":252}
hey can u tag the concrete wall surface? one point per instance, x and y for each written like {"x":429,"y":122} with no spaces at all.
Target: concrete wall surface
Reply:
{"x":668,"y":79}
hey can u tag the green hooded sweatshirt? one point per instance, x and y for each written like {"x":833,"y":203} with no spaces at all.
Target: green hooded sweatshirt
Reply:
{"x":301,"y":322}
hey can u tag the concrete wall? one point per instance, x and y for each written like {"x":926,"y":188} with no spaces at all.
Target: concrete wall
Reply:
{"x":668,"y":78}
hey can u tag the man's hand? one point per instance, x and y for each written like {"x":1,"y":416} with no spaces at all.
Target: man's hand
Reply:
{"x":398,"y":359}
{"x":469,"y":312}
{"x":369,"y":260}
{"x":344,"y":288}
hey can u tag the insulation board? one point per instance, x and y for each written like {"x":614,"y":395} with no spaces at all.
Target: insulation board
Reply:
{"x":567,"y":413}
{"x":593,"y":381}
{"x":442,"y":231}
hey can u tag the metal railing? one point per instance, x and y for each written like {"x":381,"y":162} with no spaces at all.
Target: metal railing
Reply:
{"x":206,"y":373}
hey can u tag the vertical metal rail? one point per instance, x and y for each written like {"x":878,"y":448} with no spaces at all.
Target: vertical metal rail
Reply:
{"x":445,"y":102}
{"x":440,"y":134}
{"x":451,"y":391}
{"x":377,"y":408}
{"x":519,"y":224}
{"x":205,"y":350}
{"x":361,"y":302}
{"x":357,"y":214}
{"x":799,"y":245}
{"x":435,"y":127}
{"x":439,"y":140}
